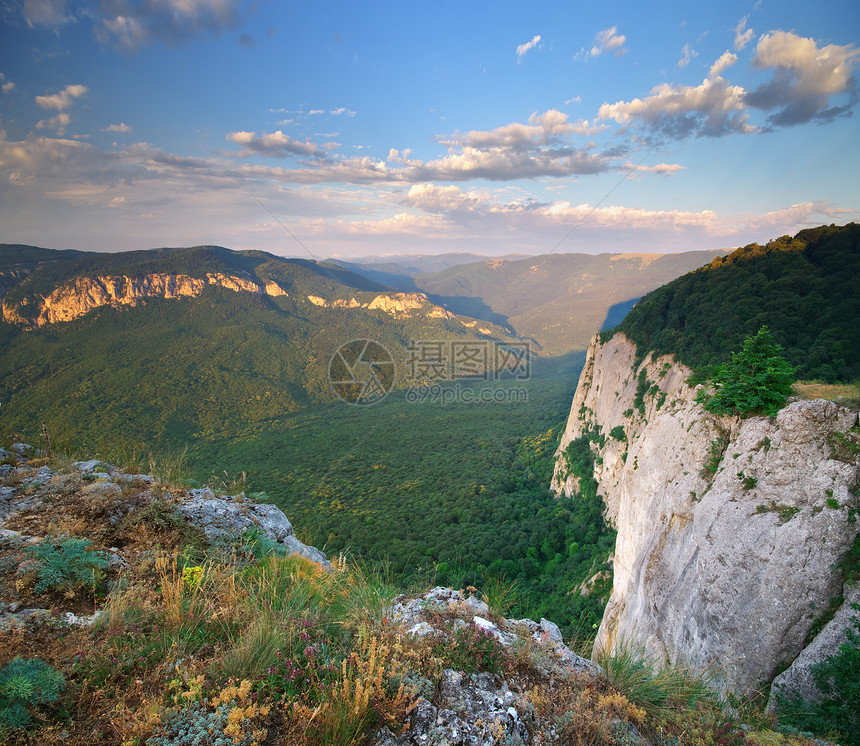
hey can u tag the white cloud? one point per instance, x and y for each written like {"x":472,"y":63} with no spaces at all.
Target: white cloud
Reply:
{"x":710,"y":109}
{"x":743,"y":35}
{"x":342,"y":110}
{"x":131,"y":25}
{"x":805,"y":79}
{"x":275,"y":144}
{"x":609,"y":40}
{"x":122,"y":128}
{"x":806,"y":76}
{"x":726,"y":59}
{"x":657,"y":168}
{"x":523,"y":48}
{"x":542,"y":129}
{"x":688,"y":54}
{"x":436,"y":199}
{"x":7,"y":86}
{"x":539,"y":148}
{"x":59,"y":123}
{"x":62,"y":100}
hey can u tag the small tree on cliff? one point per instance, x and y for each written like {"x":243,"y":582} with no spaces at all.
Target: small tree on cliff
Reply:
{"x":756,"y":381}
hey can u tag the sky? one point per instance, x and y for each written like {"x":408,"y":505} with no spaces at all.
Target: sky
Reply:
{"x":350,"y":129}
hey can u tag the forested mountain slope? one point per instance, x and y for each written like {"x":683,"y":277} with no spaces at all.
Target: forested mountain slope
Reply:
{"x":804,"y":288}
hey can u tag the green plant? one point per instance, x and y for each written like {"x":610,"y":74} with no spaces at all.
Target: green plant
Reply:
{"x":67,"y":565}
{"x":24,"y":683}
{"x":657,"y":690}
{"x":845,"y":446}
{"x":715,"y":457}
{"x":837,"y":714}
{"x":473,"y":649}
{"x":499,"y":593}
{"x":748,"y":482}
{"x":785,"y":512}
{"x":756,"y":381}
{"x":618,"y":433}
{"x":642,"y":388}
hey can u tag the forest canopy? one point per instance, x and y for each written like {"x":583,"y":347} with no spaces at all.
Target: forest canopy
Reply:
{"x":803,"y":288}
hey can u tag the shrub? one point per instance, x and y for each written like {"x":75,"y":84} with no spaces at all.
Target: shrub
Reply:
{"x":67,"y":565}
{"x":24,"y":683}
{"x":838,"y":679}
{"x":474,"y":649}
{"x":618,"y":433}
{"x":756,"y":381}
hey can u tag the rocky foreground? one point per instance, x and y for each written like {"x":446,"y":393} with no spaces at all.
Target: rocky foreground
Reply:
{"x":147,"y":613}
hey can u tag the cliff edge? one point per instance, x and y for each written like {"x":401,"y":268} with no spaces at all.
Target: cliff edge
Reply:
{"x":730,"y":531}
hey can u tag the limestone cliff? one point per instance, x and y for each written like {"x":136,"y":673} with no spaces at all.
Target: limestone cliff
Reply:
{"x":730,"y":531}
{"x":83,"y":294}
{"x":400,"y":305}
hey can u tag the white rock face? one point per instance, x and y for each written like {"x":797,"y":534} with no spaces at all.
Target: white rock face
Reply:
{"x":724,"y":570}
{"x":81,"y":295}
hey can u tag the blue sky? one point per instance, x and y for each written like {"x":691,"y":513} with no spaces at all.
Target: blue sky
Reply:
{"x":351,"y":129}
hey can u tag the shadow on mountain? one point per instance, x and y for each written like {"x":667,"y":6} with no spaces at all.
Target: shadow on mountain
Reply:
{"x":567,"y":365}
{"x":470,"y":306}
{"x":616,"y":313}
{"x":401,"y":282}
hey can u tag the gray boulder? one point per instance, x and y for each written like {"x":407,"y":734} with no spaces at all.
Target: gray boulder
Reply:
{"x":797,"y":679}
{"x":22,"y":449}
{"x":228,"y":517}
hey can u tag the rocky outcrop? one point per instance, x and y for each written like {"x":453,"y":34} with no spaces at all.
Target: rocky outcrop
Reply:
{"x":476,"y":709}
{"x":798,"y":680}
{"x":429,"y":613}
{"x":224,"y":517}
{"x":470,"y":710}
{"x":83,"y":294}
{"x":730,"y":531}
{"x":399,"y":305}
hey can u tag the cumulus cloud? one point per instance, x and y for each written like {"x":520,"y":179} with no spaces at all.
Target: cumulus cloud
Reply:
{"x":805,"y":77}
{"x":342,"y":111}
{"x":688,"y":54}
{"x":608,"y":40}
{"x":743,"y":35}
{"x":62,"y":100}
{"x":711,"y":109}
{"x":7,"y":86}
{"x":542,"y":129}
{"x":435,"y":198}
{"x":130,"y":25}
{"x":275,"y":144}
{"x":539,"y":148}
{"x":59,"y":123}
{"x":121,"y":128}
{"x":523,"y":48}
{"x":726,"y":59}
